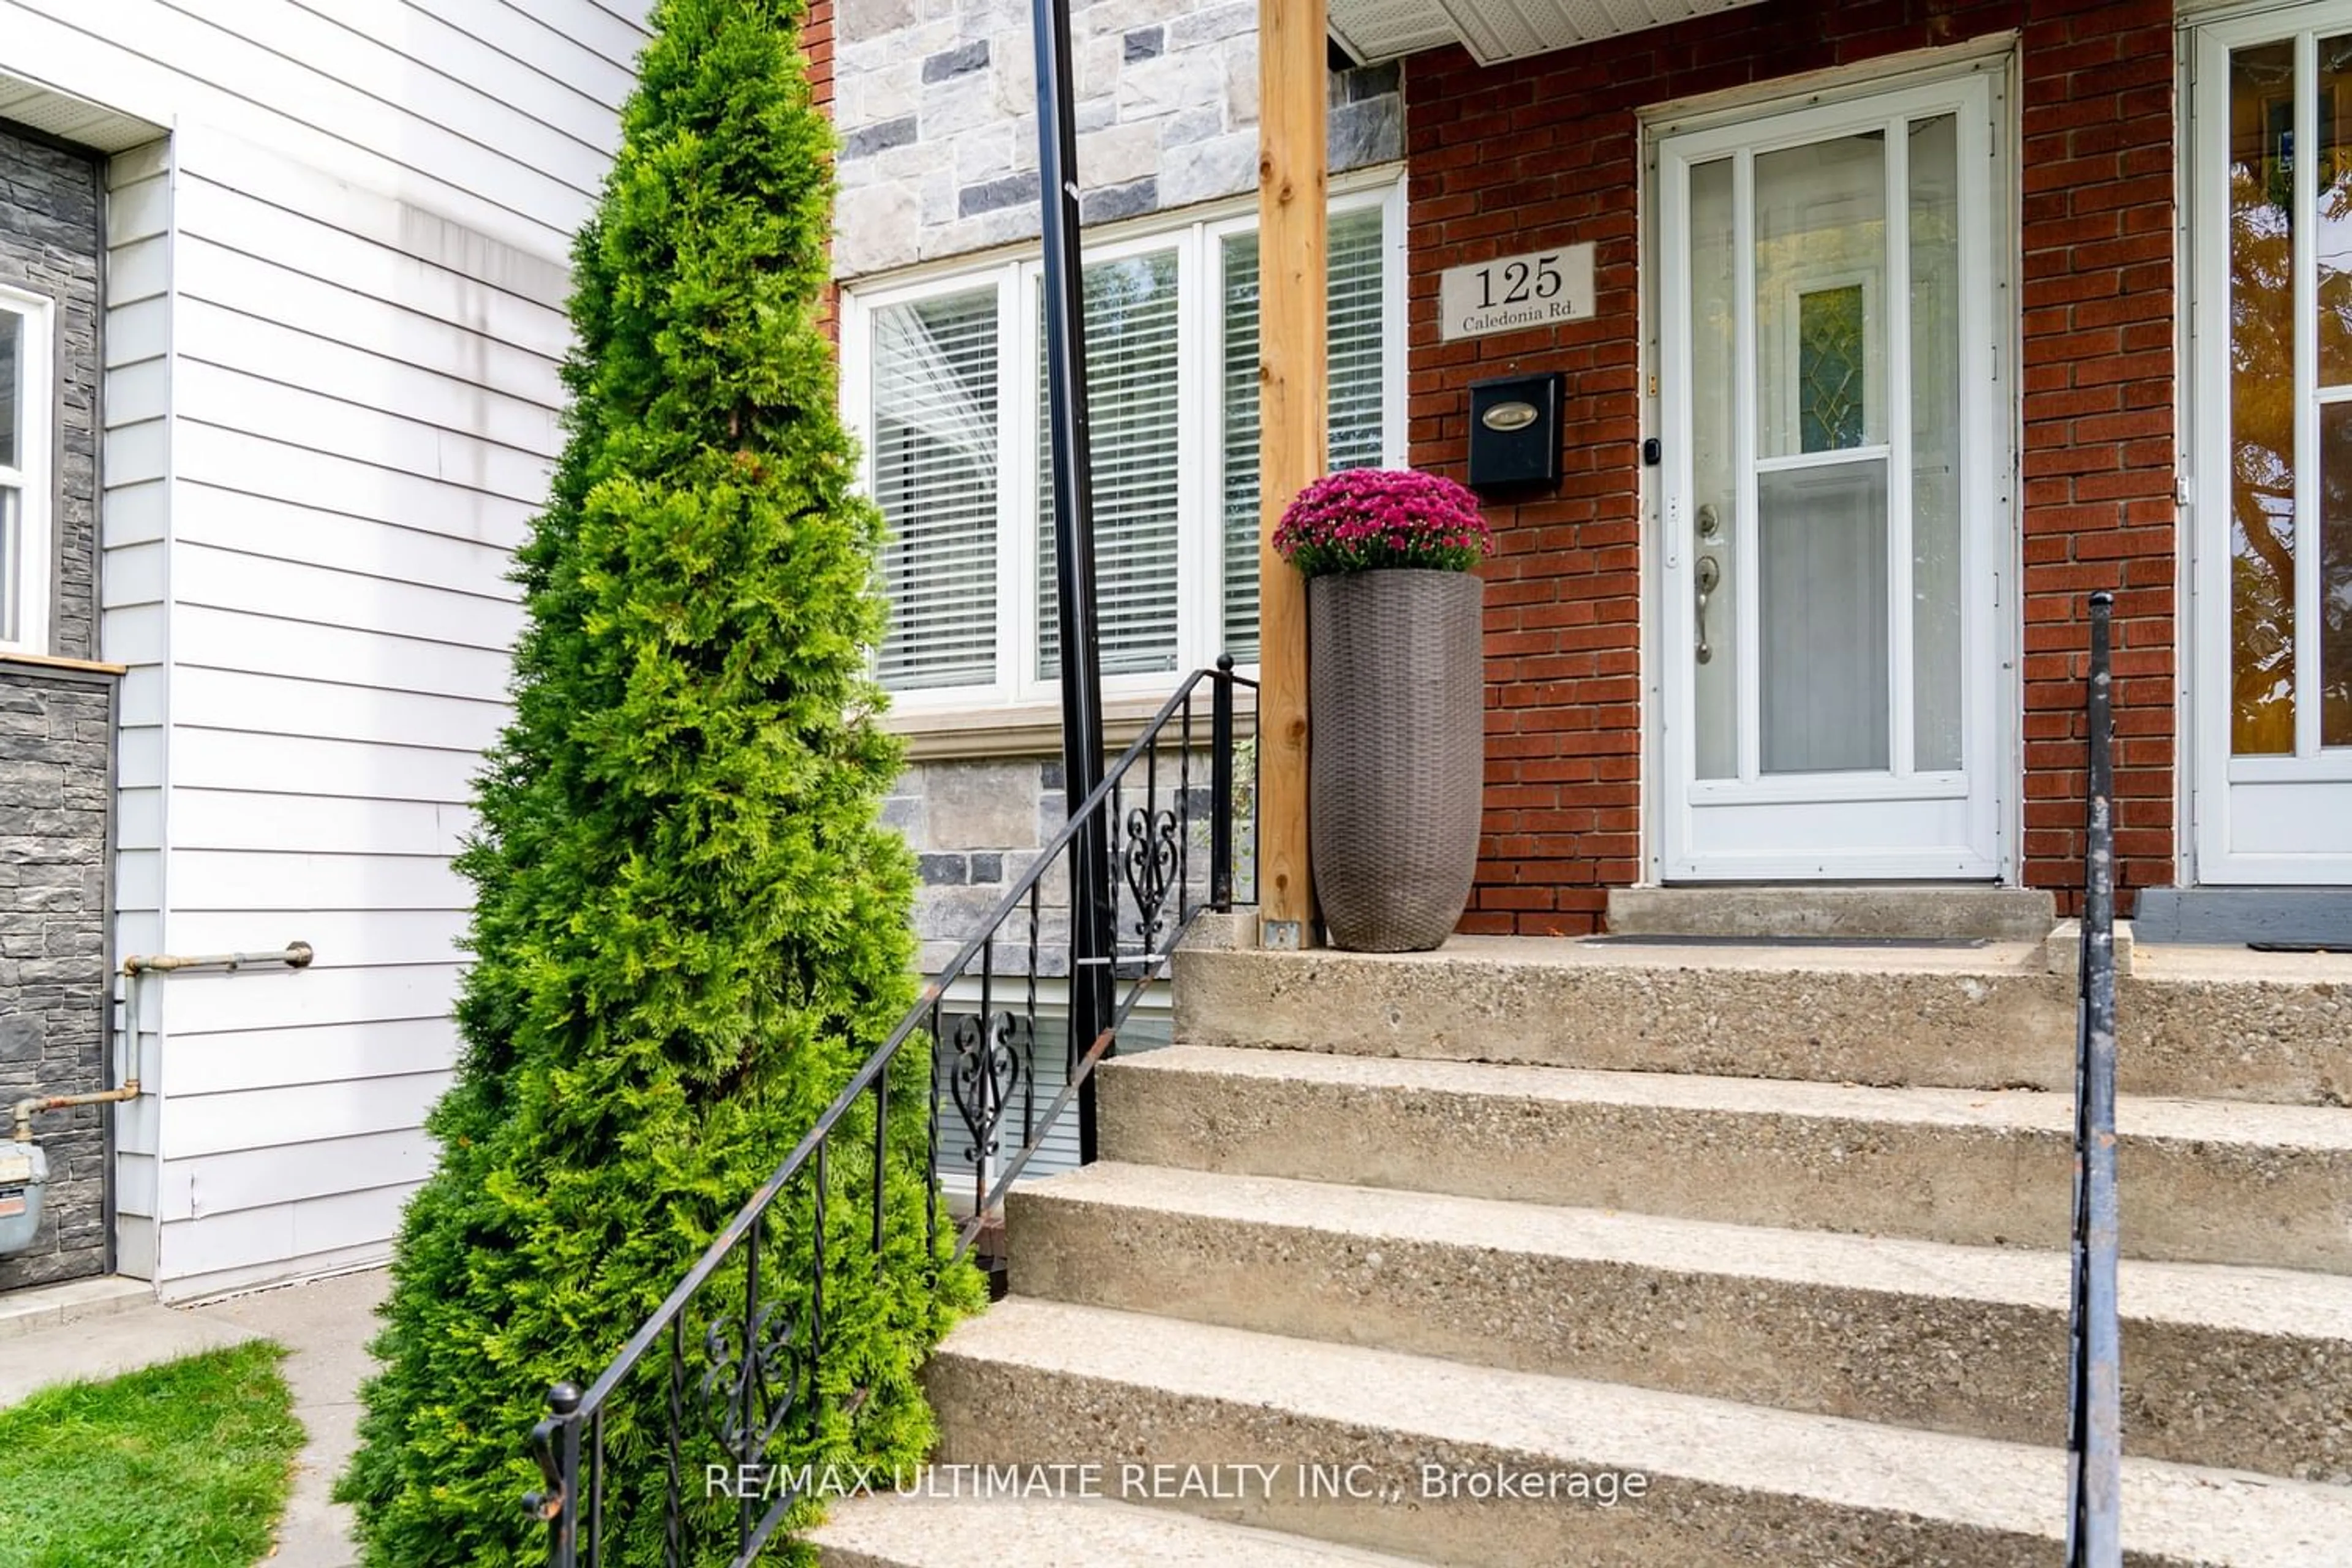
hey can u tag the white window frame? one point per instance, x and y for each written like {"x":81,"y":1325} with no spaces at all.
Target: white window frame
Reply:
{"x":1198,"y":238}
{"x":34,"y":475}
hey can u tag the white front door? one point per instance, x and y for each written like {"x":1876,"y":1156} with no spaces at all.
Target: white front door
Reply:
{"x":1836,"y":493}
{"x":2271,"y":523}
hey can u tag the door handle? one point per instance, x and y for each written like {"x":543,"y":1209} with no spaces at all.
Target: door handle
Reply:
{"x":1710,"y":577}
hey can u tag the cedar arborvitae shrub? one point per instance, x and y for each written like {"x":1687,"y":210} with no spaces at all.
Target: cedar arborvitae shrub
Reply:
{"x":689,"y":925}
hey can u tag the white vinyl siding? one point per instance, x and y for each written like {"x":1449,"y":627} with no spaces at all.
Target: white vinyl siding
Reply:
{"x":335,"y":316}
{"x":134,"y":627}
{"x":364,"y":418}
{"x":1172,"y":407}
{"x":376,"y":92}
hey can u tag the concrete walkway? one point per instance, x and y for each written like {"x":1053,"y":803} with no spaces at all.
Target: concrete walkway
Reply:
{"x":326,"y":1325}
{"x":101,"y":1329}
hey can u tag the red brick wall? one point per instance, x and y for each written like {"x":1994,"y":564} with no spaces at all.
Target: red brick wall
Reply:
{"x":1546,"y":152}
{"x":816,"y":45}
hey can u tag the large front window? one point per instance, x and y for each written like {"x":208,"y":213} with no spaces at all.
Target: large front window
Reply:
{"x":945,"y":381}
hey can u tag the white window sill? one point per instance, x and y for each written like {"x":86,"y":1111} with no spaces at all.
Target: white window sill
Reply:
{"x":1034,"y":729}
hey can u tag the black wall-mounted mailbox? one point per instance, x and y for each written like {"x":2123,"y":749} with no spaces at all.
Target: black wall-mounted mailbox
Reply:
{"x":1515,"y":432}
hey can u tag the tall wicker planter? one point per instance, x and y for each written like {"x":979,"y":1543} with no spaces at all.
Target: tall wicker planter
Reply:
{"x":1396,"y":699}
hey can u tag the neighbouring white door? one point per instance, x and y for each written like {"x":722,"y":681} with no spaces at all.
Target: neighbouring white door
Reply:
{"x":1835,"y":489}
{"x":2271,"y":523}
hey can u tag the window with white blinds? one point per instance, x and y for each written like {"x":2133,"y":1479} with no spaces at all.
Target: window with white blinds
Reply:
{"x":933,"y":451}
{"x":1357,"y":343}
{"x":1134,"y":413}
{"x":946,"y":377}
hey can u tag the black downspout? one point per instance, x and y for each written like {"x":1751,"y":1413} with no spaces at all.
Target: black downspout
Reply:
{"x":1073,"y":546}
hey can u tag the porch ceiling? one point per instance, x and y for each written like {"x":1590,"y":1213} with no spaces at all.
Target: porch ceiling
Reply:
{"x":1497,"y":30}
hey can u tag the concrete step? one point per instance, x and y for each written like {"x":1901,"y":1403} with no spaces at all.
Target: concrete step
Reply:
{"x":1929,"y":911}
{"x":2201,"y":1180}
{"x":1407,"y":1451}
{"x":2238,"y":1367}
{"x":2212,"y":1023}
{"x":888,"y":1531}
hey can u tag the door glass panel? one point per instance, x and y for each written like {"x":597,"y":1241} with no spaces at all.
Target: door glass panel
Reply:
{"x":2332,"y":239}
{"x":2335,"y":574}
{"x":1714,"y":387}
{"x":2262,"y":399}
{"x":1821,"y":246}
{"x":1820,"y":380}
{"x":1822,"y":537}
{"x":1935,"y":229}
{"x":2332,"y":233}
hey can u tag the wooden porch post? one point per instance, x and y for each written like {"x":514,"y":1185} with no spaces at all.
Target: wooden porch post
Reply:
{"x":1292,"y":437}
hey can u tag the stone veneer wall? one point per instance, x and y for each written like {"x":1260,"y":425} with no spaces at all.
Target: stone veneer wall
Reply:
{"x":56,"y":743}
{"x":974,"y":826}
{"x":56,"y":779}
{"x":936,"y":101}
{"x":977,"y":826}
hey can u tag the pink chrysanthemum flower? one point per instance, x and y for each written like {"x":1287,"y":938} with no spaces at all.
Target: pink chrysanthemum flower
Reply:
{"x":1360,"y":519}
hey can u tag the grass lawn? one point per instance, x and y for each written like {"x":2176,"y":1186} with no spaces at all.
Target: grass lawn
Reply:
{"x":185,"y":1465}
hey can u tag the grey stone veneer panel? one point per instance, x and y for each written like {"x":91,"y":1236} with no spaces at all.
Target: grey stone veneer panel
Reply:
{"x":56,"y":736}
{"x":55,"y":795}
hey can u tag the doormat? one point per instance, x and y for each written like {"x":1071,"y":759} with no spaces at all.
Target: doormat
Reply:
{"x":1647,"y":940}
{"x":2297,"y":947}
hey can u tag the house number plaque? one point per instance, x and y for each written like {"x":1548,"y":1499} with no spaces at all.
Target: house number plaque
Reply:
{"x":1510,"y":293}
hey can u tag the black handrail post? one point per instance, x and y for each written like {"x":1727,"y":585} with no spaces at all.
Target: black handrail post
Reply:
{"x":555,"y":1444}
{"x":1221,"y":788}
{"x":2094,"y":1436}
{"x":1073,"y":541}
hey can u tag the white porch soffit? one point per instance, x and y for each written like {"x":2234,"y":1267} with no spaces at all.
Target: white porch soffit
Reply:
{"x":71,"y":119}
{"x":1497,"y":30}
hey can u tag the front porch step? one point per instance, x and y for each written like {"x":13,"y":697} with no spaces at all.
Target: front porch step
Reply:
{"x":1910,"y":909}
{"x":889,"y":1531}
{"x":2235,"y":1366}
{"x":2202,"y":1180}
{"x":1035,"y":1381}
{"x":2213,"y":1025}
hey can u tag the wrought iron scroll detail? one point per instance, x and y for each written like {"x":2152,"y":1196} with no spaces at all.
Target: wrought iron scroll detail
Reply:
{"x":1149,"y":860}
{"x":994,"y":1055}
{"x":732,"y":1362}
{"x":757,"y":1375}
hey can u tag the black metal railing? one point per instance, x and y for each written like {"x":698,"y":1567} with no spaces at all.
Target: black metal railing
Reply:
{"x":2094,"y":1400}
{"x":728,"y":1377}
